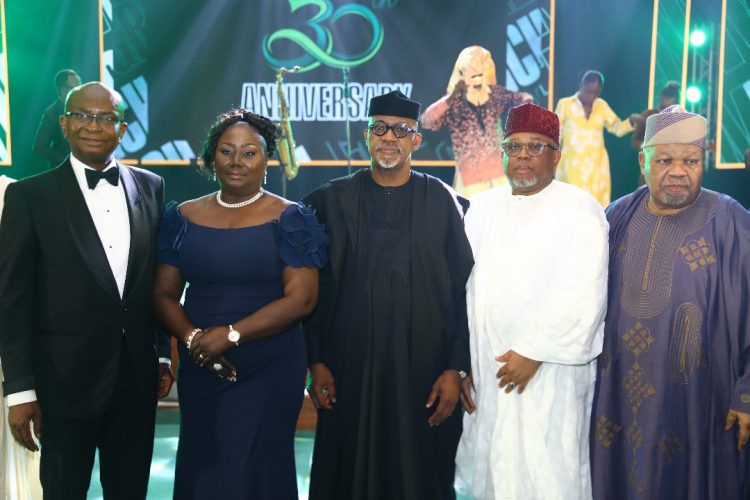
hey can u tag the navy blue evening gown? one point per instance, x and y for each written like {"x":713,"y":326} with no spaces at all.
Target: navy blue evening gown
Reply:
{"x":237,"y":439}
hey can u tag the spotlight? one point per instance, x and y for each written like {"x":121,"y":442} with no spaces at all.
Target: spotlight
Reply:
{"x":693,"y":94}
{"x":697,"y":37}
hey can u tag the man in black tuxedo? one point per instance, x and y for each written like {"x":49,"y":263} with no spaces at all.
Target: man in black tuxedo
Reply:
{"x":78,"y":338}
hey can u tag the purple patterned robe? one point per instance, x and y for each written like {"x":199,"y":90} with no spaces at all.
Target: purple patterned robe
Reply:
{"x":676,"y":353}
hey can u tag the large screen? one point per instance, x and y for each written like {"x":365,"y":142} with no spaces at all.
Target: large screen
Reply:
{"x":179,"y":64}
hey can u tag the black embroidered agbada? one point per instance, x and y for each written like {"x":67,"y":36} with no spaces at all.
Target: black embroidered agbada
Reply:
{"x":391,"y":318}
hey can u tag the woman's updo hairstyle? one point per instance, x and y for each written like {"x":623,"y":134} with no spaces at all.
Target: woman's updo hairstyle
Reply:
{"x":263,"y":125}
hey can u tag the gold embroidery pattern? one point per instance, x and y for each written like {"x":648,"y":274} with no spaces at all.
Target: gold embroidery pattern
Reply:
{"x":605,"y":363}
{"x":650,"y":255}
{"x":607,"y":431}
{"x":684,"y":344}
{"x":703,"y":210}
{"x":638,"y":487}
{"x":635,"y":435}
{"x":638,"y":339}
{"x":651,"y":249}
{"x":637,"y":389}
{"x":745,"y":398}
{"x":697,"y":254}
{"x":648,"y":263}
{"x":670,"y":446}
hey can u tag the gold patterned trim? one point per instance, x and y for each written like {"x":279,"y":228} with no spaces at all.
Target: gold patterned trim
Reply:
{"x":698,"y":254}
{"x":670,"y":446}
{"x":638,"y":487}
{"x":607,"y":431}
{"x":651,"y":245}
{"x":636,"y":387}
{"x":605,"y":363}
{"x":648,"y":263}
{"x":650,"y":255}
{"x":634,"y":434}
{"x":638,"y":338}
{"x":684,"y":343}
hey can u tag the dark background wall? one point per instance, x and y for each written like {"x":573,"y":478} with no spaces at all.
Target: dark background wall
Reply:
{"x":44,"y":36}
{"x":614,"y":37}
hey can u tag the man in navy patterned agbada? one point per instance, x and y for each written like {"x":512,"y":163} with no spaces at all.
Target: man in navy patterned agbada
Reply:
{"x":672,"y":406}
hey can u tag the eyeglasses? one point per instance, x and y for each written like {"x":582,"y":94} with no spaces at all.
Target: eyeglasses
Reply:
{"x":81,"y":119}
{"x":400,"y":129}
{"x":533,"y":148}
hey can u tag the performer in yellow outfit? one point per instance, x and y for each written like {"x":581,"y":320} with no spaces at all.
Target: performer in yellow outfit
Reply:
{"x":583,"y":118}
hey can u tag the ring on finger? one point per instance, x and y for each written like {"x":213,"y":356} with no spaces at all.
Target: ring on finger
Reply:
{"x":511,"y":385}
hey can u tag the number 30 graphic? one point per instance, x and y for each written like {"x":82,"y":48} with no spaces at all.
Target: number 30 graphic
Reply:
{"x":320,"y":50}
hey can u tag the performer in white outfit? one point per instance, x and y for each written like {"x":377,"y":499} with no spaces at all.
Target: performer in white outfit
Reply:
{"x":19,"y":467}
{"x":536,"y":303}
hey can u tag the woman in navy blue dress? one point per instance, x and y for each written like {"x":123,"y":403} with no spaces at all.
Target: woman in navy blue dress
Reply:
{"x":251,"y":260}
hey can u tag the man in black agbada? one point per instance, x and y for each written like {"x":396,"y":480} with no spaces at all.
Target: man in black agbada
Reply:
{"x":388,"y":344}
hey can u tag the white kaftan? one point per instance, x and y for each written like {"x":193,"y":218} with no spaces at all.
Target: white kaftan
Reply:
{"x":538,"y":287}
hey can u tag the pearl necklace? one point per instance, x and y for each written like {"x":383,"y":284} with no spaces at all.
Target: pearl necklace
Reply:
{"x":241,"y":204}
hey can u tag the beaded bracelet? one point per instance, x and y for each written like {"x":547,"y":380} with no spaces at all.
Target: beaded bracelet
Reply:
{"x":190,"y":337}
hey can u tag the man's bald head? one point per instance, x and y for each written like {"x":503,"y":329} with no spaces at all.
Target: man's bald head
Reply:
{"x":96,"y":91}
{"x":93,"y":123}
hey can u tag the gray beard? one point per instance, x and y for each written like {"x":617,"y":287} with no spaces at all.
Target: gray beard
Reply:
{"x":675,"y":200}
{"x":388,"y":165}
{"x":526,"y":183}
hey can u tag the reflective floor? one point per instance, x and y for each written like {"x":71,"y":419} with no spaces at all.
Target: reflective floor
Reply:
{"x":165,"y":449}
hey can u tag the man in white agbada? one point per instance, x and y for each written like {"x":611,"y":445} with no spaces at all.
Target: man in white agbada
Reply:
{"x":536,"y":303}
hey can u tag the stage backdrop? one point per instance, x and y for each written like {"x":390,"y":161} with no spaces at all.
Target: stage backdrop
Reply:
{"x":173,"y":96}
{"x":179,"y":65}
{"x":669,"y":47}
{"x":733,"y":121}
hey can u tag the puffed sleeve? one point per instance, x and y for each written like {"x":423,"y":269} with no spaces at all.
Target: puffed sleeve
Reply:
{"x":171,"y":234}
{"x":302,"y":240}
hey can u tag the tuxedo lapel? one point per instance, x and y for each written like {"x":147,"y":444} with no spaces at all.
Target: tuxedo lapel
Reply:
{"x":139,"y":228}
{"x":84,"y":233}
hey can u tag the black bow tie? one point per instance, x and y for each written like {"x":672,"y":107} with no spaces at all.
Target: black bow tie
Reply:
{"x":94,"y":176}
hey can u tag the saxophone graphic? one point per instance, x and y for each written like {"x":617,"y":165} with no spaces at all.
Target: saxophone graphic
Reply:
{"x":285,"y":140}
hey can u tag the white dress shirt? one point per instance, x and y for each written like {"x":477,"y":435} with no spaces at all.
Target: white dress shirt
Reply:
{"x":109,"y":210}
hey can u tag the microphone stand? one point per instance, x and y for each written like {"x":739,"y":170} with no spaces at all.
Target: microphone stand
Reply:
{"x":347,"y":123}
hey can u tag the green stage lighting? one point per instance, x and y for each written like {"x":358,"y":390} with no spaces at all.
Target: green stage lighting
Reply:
{"x":693,"y":94}
{"x":697,"y":37}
